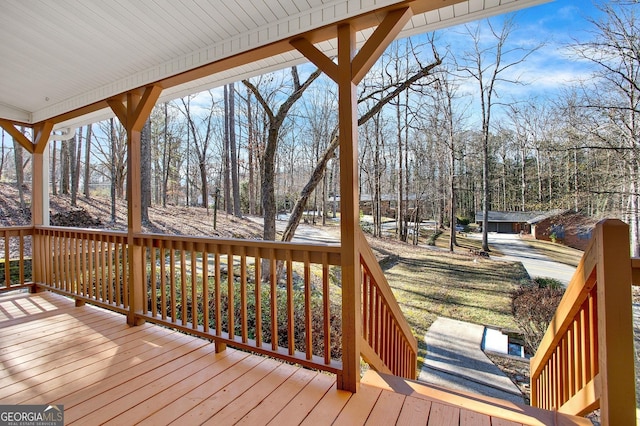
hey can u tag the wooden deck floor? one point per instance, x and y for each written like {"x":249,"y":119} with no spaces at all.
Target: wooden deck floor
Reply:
{"x":105,"y":372}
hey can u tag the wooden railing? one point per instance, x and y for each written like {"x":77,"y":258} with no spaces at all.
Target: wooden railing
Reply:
{"x":586,"y":359}
{"x":88,"y":265}
{"x":16,"y":257}
{"x":387,"y":345}
{"x":278,"y":299}
{"x":268,"y":297}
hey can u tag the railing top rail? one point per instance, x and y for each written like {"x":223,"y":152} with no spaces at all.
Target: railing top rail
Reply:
{"x":81,"y":230}
{"x":276,"y":245}
{"x":15,"y":229}
{"x":578,"y":288}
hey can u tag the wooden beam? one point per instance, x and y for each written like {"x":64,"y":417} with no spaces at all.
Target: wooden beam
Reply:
{"x":119,"y":108}
{"x":41,"y":133}
{"x":320,"y":60}
{"x":10,"y":128}
{"x":375,"y":46}
{"x":349,"y":213}
{"x":144,"y":106}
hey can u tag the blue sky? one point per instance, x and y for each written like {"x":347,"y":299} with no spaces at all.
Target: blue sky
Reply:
{"x":547,"y":72}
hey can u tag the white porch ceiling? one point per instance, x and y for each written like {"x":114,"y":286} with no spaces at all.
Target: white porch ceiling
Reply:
{"x":59,"y":55}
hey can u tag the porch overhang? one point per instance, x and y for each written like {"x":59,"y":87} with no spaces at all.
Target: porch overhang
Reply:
{"x":61,"y":60}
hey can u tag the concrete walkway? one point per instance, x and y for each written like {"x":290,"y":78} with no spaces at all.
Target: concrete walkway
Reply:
{"x":455,"y":360}
{"x":537,"y":264}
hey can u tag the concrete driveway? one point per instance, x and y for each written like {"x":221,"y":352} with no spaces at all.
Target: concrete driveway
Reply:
{"x":536,"y":264}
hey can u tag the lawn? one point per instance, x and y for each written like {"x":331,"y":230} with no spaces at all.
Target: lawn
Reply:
{"x":429,"y":283}
{"x":558,"y":252}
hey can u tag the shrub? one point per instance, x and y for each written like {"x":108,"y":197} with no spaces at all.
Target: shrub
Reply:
{"x":533,"y":306}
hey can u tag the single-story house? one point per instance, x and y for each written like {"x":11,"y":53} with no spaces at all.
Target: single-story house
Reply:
{"x":511,"y":222}
{"x":568,"y":227}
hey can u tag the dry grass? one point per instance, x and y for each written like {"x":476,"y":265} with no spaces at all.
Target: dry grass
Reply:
{"x":429,"y":283}
{"x":558,"y":252}
{"x":465,"y":244}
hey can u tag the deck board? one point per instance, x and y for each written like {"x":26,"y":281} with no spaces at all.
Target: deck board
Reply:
{"x":105,"y":372}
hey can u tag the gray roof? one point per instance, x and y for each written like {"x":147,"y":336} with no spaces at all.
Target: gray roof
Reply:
{"x":512,"y":217}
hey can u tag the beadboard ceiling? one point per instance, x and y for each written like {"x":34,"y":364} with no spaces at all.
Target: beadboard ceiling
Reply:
{"x":57,"y":56}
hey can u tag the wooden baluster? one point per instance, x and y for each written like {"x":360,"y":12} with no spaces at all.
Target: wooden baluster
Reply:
{"x":291,"y":338}
{"x":205,"y":290}
{"x":365,"y":291}
{"x":230,"y":289}
{"x":163,"y":281}
{"x":154,"y":280}
{"x":243,"y":294}
{"x":274,"y":299}
{"x":326,"y":311}
{"x":218,"y":298}
{"x":183,"y":285}
{"x":194,"y":289}
{"x":125,"y":273}
{"x":308,"y":315}
{"x":258,"y":295}
{"x":78,"y":264}
{"x":172,"y":281}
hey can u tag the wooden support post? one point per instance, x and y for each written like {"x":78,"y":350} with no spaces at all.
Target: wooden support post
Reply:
{"x":220,"y":347}
{"x":349,"y":70}
{"x":133,"y":113}
{"x":615,"y":324}
{"x":40,"y":183}
{"x":349,"y":212}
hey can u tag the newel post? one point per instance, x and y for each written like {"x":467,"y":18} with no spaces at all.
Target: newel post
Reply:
{"x":615,"y":324}
{"x":133,"y":110}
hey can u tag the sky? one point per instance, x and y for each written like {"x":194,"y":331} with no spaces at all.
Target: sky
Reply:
{"x":547,"y":72}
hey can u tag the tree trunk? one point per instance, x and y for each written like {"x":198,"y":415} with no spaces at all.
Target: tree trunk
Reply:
{"x":65,"y":168}
{"x":145,"y":171}
{"x":87,"y":160}
{"x":74,"y":166}
{"x":165,"y":156}
{"x":2,"y":155}
{"x":232,"y":151}
{"x":17,"y":149}
{"x":251,"y":143}
{"x":114,"y":179}
{"x":226,"y":152}
{"x":54,"y":177}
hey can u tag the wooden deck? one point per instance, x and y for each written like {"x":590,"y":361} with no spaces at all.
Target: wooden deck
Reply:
{"x":105,"y":372}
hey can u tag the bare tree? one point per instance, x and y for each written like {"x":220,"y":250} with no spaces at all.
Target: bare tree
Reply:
{"x":276,"y":119}
{"x":378,"y":99}
{"x":114,"y":184}
{"x":488,"y":63}
{"x":65,"y":167}
{"x":202,"y":136}
{"x":87,"y":160}
{"x":145,"y":171}
{"x":74,"y":163}
{"x":235,"y":183}
{"x":17,"y":149}
{"x":614,"y":50}
{"x":2,"y":155}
